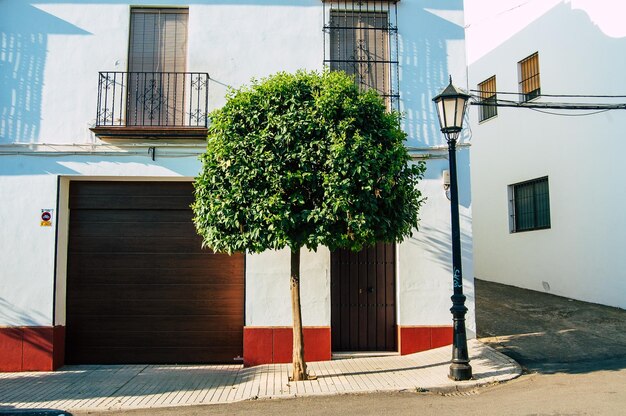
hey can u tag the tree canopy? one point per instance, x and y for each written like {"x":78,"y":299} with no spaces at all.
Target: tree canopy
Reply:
{"x":302,"y":160}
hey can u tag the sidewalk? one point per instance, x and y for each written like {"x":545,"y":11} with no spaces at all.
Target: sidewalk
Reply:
{"x":144,"y":386}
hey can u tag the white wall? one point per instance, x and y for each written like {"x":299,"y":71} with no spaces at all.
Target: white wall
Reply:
{"x":27,"y":255}
{"x":425,"y":259}
{"x":424,"y":267}
{"x":51,"y":55}
{"x":55,"y":51}
{"x":268,"y":290}
{"x":28,"y":184}
{"x":581,"y":51}
{"x":432,"y":47}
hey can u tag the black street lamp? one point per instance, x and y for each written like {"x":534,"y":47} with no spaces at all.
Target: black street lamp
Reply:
{"x":451,"y":103}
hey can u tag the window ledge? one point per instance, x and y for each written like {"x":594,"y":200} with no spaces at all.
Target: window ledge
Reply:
{"x":149,"y":132}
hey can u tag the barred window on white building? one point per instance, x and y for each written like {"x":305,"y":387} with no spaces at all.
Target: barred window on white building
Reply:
{"x":361,"y":38}
{"x":529,"y":205}
{"x":487,"y":93}
{"x":529,"y":83}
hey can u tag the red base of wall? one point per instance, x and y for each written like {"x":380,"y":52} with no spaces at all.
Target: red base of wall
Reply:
{"x":31,"y":348}
{"x":265,"y":345}
{"x":43,"y":348}
{"x":421,"y":338}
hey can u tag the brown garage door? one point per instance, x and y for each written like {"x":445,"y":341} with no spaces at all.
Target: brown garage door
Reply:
{"x":139,"y":287}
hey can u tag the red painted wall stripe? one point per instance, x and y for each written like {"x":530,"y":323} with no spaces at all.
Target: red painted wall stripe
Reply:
{"x":31,"y":348}
{"x":266,"y":345}
{"x":413,"y":339}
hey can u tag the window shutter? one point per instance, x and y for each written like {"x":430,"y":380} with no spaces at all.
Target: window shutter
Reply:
{"x":529,"y":77}
{"x":487,"y":91}
{"x":158,"y":40}
{"x":157,"y":60}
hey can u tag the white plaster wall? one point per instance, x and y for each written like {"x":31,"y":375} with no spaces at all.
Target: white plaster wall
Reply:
{"x":431,"y":48}
{"x":27,"y":255}
{"x":244,"y":40}
{"x":268,"y":293}
{"x":28,"y":184}
{"x":581,"y":51}
{"x":51,"y":55}
{"x":425,"y":259}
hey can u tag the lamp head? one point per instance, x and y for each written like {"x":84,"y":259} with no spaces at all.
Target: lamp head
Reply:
{"x":451,"y":103}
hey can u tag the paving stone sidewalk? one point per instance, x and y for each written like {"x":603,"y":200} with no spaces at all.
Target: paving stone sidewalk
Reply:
{"x":88,"y":387}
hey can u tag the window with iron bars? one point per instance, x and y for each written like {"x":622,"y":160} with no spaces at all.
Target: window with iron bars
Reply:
{"x":530,"y":86}
{"x":529,"y":205}
{"x":361,"y":38}
{"x":487,"y":93}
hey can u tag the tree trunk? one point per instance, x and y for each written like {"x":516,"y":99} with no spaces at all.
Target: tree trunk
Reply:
{"x":299,"y":366}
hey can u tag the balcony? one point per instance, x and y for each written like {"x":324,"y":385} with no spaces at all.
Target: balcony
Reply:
{"x":152,"y":105}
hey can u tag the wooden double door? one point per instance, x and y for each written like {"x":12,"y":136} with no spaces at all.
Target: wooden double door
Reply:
{"x":363,"y":299}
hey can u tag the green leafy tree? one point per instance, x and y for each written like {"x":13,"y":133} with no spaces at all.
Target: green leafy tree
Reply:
{"x":303,"y":160}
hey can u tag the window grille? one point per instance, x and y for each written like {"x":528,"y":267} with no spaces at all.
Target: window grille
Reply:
{"x":530,"y":86}
{"x":530,"y":205}
{"x":361,"y":38}
{"x":487,"y":92}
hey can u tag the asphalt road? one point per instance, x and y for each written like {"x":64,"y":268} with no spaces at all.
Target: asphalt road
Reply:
{"x":550,"y":334}
{"x":574,"y":354}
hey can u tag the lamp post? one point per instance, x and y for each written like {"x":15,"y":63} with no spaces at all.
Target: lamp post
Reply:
{"x":451,"y":103}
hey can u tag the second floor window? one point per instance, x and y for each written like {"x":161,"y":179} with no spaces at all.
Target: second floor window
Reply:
{"x":487,"y":92}
{"x":157,"y":61}
{"x":530,"y":86}
{"x":362,"y":40}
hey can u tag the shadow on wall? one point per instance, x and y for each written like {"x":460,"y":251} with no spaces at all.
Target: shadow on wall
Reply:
{"x":23,"y":44}
{"x":9,"y":313}
{"x":434,"y":239}
{"x":25,"y":31}
{"x":19,"y":166}
{"x":423,"y":53}
{"x":439,"y":244}
{"x":436,"y":167}
{"x":601,"y":67}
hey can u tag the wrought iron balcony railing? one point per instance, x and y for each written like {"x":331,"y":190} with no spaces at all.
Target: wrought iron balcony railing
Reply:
{"x":152,"y":100}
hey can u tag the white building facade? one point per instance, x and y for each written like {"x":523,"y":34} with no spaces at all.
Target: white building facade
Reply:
{"x":103,"y":109}
{"x":547,"y":182}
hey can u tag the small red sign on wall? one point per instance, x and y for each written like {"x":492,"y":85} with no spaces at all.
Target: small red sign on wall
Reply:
{"x":46,"y":217}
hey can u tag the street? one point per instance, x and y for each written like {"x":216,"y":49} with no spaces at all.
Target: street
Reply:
{"x":596,"y":393}
{"x":573,"y":353}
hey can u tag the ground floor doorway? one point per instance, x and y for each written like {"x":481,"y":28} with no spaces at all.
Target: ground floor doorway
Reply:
{"x":363,"y":299}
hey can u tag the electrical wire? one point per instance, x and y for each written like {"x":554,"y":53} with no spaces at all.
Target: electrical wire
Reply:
{"x":546,"y":105}
{"x":552,"y":95}
{"x":569,"y":115}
